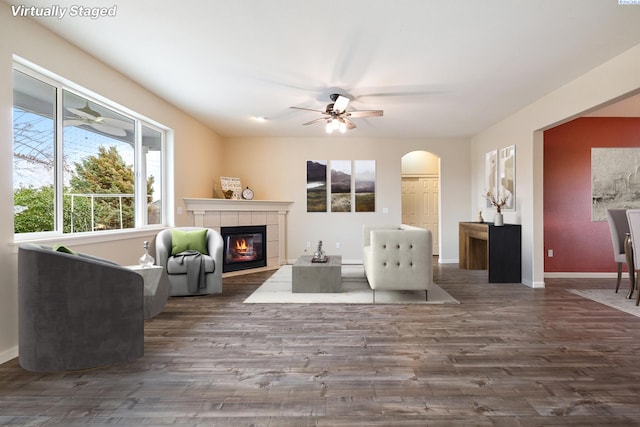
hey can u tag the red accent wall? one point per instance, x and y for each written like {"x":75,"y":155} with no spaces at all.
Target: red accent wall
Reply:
{"x":579,"y":245}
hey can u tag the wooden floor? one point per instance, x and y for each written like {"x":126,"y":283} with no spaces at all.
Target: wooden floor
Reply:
{"x":507,"y":355}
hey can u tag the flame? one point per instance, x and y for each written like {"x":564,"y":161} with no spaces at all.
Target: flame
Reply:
{"x":241,"y":245}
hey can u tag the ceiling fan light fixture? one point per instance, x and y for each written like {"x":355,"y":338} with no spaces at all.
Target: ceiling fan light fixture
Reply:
{"x":343,"y":127}
{"x":329,"y":127}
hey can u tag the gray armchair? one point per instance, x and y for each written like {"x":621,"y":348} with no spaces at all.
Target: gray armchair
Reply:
{"x":76,"y":311}
{"x":176,"y":267}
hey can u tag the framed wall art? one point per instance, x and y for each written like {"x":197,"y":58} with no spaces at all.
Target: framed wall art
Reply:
{"x":615,"y":180}
{"x":365,"y":185}
{"x":340,"y":185}
{"x":316,"y":185}
{"x":491,"y":174}
{"x":507,"y":175}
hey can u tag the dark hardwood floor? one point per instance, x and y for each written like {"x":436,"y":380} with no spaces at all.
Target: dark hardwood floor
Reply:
{"x":507,"y":355}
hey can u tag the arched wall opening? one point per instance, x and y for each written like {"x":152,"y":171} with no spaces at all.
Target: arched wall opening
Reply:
{"x":421,"y":193}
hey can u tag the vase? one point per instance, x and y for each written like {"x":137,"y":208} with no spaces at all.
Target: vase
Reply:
{"x":146,"y":260}
{"x":498,"y":220}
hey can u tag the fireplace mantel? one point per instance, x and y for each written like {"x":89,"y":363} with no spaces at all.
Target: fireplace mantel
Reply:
{"x":194,"y":204}
{"x":217,"y":213}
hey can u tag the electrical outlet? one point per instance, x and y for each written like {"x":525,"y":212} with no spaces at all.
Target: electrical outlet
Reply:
{"x":179,"y":210}
{"x":308,"y":244}
{"x":550,"y":253}
{"x":337,"y":245}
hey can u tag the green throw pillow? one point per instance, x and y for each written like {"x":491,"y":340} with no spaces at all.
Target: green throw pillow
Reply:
{"x":189,"y":240}
{"x":63,"y":248}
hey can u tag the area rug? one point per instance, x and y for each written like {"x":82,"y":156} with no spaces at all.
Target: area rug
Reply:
{"x":610,"y":298}
{"x":355,"y":290}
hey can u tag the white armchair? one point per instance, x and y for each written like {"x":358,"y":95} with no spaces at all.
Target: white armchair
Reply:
{"x":398,"y":258}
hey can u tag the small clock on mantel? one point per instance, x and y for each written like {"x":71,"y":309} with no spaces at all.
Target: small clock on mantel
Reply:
{"x":247,"y":194}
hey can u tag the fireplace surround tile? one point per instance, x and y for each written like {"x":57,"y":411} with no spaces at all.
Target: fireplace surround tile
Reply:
{"x":217,"y":213}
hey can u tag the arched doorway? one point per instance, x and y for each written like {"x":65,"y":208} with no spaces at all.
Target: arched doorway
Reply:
{"x":421,"y":193}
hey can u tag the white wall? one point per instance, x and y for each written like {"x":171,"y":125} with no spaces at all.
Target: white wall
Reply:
{"x":611,"y":80}
{"x":420,"y":163}
{"x":196,"y":149}
{"x":275,"y":168}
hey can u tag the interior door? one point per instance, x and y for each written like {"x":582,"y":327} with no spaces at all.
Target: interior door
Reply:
{"x":420,"y":206}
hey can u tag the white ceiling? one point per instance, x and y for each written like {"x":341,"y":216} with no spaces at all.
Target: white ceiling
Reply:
{"x":436,"y":67}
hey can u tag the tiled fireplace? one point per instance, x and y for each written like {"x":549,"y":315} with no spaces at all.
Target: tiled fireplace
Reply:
{"x":222,"y":213}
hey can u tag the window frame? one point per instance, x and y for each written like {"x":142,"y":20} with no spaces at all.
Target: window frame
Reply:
{"x":140,"y":180}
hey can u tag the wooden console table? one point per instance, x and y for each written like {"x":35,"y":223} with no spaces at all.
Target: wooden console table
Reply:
{"x":484,"y":246}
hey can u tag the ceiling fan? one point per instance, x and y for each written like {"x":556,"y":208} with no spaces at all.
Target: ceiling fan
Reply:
{"x":90,"y":117}
{"x":336,"y":115}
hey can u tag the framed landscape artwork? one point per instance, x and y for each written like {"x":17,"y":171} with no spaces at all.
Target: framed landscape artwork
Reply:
{"x":615,"y":180}
{"x":351,"y":183}
{"x":365,"y":185}
{"x":340,"y":185}
{"x":316,"y":185}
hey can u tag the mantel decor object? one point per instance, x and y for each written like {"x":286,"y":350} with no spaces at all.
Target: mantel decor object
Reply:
{"x":319,"y":255}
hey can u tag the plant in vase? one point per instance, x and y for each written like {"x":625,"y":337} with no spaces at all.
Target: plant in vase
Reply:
{"x":498,"y":200}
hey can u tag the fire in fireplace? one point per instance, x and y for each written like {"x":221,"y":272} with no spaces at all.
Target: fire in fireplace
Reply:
{"x":244,"y":247}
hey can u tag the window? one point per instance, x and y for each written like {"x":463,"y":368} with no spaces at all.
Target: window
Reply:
{"x":81,"y":165}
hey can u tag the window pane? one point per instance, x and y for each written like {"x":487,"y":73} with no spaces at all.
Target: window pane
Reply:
{"x":98,"y":147}
{"x":33,"y":154}
{"x":152,"y":163}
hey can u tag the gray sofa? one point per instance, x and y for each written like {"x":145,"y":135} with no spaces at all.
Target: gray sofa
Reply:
{"x":397,"y":257}
{"x":76,"y":311}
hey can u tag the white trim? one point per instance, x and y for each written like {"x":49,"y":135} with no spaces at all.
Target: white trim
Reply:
{"x":201,"y":205}
{"x":79,"y":239}
{"x":584,"y":275}
{"x":9,"y":354}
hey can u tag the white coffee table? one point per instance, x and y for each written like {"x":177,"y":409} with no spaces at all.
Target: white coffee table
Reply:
{"x":317,"y":277}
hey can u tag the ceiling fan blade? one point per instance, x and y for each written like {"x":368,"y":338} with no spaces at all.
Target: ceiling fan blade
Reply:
{"x":122,"y":124}
{"x":309,"y":109}
{"x":109,"y":129}
{"x":84,"y":112}
{"x":314,"y":121}
{"x":365,"y":113}
{"x":74,"y":122}
{"x":349,"y":123}
{"x":340,"y":104}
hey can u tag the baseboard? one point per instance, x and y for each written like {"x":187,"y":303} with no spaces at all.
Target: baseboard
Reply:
{"x":584,"y":275}
{"x":9,"y":354}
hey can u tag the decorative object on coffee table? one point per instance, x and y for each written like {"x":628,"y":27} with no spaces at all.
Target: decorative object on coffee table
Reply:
{"x":319,"y":255}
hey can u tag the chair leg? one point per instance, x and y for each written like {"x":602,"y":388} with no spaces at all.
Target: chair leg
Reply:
{"x":374,"y":295}
{"x":628,"y":251}
{"x":426,"y":295}
{"x":619,"y":276}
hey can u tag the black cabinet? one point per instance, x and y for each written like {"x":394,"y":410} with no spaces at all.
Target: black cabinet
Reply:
{"x":504,"y":257}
